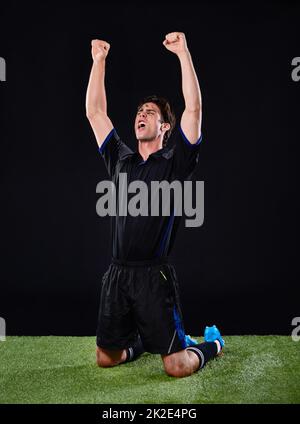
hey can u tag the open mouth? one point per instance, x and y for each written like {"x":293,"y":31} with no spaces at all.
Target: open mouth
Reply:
{"x":141,"y":125}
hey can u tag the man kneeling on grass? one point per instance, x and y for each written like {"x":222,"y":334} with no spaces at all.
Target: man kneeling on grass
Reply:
{"x":139,"y":305}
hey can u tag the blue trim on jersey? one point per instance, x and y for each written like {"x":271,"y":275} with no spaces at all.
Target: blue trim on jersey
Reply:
{"x":179,"y":328}
{"x":102,"y":147}
{"x":187,"y":141}
{"x":165,"y":236}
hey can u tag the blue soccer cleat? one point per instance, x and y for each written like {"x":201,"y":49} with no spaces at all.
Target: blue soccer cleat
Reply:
{"x":190,"y":342}
{"x":211,"y":334}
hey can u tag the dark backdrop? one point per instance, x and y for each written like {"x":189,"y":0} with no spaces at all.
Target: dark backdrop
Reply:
{"x":240,"y":269}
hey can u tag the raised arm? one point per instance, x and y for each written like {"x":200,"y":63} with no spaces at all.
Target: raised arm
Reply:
{"x":96,"y":106}
{"x":192,"y":115}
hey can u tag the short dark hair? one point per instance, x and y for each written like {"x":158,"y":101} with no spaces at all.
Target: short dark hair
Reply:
{"x":166,"y":111}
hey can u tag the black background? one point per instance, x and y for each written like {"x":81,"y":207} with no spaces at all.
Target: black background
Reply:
{"x":240,"y":269}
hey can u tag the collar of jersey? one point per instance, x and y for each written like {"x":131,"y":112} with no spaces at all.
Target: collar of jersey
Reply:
{"x":163,"y":152}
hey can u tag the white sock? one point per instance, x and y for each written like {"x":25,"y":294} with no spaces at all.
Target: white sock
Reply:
{"x":218,"y":345}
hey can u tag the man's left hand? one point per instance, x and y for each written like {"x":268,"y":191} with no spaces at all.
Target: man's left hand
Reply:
{"x":176,"y":42}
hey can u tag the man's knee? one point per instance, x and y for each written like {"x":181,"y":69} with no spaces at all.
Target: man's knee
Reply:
{"x":106,"y":358}
{"x":178,"y":371}
{"x":177,"y":364}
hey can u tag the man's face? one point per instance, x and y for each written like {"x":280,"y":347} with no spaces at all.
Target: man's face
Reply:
{"x":148,"y":122}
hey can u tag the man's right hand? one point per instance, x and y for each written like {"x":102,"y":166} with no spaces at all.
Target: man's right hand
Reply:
{"x":100,"y":50}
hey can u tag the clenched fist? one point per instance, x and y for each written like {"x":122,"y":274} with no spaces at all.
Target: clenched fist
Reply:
{"x":100,"y":50}
{"x":176,"y":42}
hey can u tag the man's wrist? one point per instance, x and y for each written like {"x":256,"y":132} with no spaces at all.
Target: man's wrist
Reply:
{"x":99,"y":62}
{"x":184,"y":54}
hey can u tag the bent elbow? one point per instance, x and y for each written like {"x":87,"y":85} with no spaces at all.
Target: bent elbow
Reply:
{"x":194,"y":109}
{"x":92,"y":113}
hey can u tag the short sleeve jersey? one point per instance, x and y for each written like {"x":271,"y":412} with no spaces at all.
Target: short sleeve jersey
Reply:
{"x":147,"y":237}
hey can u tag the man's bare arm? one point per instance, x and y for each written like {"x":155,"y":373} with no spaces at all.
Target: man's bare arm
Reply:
{"x":96,"y":105}
{"x":192,"y":115}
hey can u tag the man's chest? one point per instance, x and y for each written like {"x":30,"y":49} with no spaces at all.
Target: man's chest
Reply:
{"x":146,"y":172}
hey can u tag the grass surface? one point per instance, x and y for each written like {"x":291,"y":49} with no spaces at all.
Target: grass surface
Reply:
{"x":254,"y":369}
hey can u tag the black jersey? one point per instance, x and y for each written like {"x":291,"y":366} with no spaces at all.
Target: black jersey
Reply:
{"x":139,"y":237}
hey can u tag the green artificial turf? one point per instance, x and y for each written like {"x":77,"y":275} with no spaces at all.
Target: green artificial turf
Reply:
{"x":254,"y":369}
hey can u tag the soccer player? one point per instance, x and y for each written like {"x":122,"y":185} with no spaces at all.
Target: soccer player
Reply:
{"x":139,"y":303}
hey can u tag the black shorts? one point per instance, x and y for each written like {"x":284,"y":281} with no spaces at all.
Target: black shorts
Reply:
{"x":140,"y":298}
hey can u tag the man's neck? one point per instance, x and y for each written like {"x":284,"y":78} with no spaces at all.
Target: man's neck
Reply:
{"x":145,"y":148}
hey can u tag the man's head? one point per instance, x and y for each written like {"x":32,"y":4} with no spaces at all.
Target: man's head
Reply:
{"x":154,"y":118}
